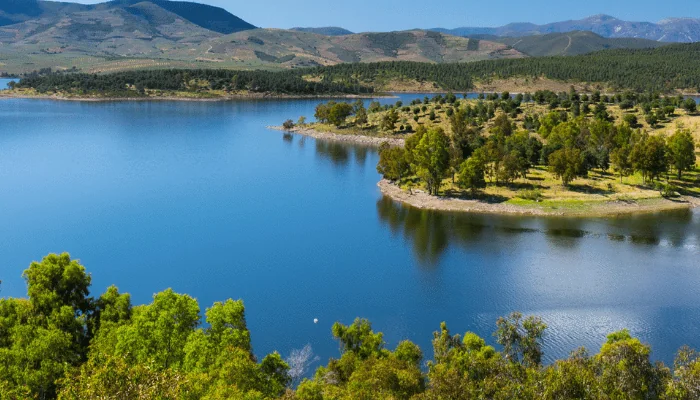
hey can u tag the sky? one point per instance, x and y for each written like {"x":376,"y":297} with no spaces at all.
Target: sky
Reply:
{"x":388,"y":15}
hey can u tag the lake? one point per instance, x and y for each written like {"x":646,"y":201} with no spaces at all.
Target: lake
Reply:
{"x":201,"y":197}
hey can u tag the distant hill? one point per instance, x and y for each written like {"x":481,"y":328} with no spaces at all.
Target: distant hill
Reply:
{"x":668,"y":30}
{"x":328,"y":31}
{"x":571,"y":43}
{"x":204,"y":16}
{"x":294,"y":48}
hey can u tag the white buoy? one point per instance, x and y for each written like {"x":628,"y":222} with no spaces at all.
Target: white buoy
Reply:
{"x":315,"y":320}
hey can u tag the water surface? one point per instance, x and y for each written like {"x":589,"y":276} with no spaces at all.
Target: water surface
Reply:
{"x":202,"y":198}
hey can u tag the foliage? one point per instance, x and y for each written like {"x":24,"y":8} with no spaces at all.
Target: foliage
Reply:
{"x":432,"y":158}
{"x":161,"y":351}
{"x":681,"y":151}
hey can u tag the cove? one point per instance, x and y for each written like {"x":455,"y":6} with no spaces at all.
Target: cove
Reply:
{"x":201,"y":197}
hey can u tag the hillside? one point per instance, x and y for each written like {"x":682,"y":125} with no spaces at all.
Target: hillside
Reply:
{"x":204,"y":16}
{"x":328,"y":31}
{"x":572,"y":43}
{"x":682,"y":30}
{"x":145,"y":35}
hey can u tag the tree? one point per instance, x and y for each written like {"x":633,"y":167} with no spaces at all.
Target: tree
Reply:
{"x":690,"y":105}
{"x":389,"y":120}
{"x":621,"y":162}
{"x":361,"y":116}
{"x":567,"y":164}
{"x":626,"y":371}
{"x":432,"y":157}
{"x":392,"y":162}
{"x":681,"y":151}
{"x":358,"y":338}
{"x":649,"y":156}
{"x":288,"y":124}
{"x":521,"y":339}
{"x":158,"y":331}
{"x":471,"y":175}
{"x":338,"y":113}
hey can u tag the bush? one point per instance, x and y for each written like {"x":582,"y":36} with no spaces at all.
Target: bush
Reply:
{"x":534,"y":195}
{"x":667,"y":190}
{"x":288,"y":124}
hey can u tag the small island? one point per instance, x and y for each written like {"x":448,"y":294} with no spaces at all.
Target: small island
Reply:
{"x":542,"y":153}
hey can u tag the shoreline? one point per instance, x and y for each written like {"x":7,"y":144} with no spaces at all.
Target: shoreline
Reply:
{"x":237,"y":97}
{"x":349,"y":138}
{"x":422,"y":200}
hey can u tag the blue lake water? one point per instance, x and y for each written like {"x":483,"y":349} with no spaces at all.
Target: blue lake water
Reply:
{"x":201,"y":197}
{"x":6,"y":81}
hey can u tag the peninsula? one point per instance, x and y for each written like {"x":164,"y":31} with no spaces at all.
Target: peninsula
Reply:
{"x":542,"y":153}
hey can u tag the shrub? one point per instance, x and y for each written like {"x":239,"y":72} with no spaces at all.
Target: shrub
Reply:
{"x":534,"y":195}
{"x":288,"y":124}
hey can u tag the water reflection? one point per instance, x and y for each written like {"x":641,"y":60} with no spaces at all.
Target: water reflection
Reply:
{"x":432,"y":232}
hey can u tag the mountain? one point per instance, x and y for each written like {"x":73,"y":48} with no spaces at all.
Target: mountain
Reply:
{"x":293,"y":48}
{"x":668,"y":30}
{"x":570,"y":44}
{"x":328,"y":31}
{"x":204,"y":16}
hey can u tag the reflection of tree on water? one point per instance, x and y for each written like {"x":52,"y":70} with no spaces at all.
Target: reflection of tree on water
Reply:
{"x":333,"y":151}
{"x":340,"y":154}
{"x":431,"y":232}
{"x":426,"y":229}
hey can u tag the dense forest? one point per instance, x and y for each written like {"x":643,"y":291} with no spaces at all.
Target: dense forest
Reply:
{"x":135,"y":83}
{"x":61,"y":342}
{"x":663,"y":69}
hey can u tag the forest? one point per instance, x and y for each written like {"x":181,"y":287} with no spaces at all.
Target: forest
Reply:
{"x":136,"y":83}
{"x":61,"y":342}
{"x":664,"y":69}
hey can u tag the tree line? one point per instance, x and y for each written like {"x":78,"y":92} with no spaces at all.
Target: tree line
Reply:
{"x":135,"y":83}
{"x":662,"y":69}
{"x":62,"y":343}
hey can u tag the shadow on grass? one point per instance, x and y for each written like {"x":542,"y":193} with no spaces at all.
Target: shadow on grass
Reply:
{"x":524,"y":186}
{"x":588,"y":189}
{"x":479,"y":196}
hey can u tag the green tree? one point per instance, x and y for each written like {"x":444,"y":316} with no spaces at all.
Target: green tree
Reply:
{"x":159,"y":331}
{"x":521,"y":339}
{"x":389,"y":120}
{"x":392,"y":162}
{"x":471,"y":175}
{"x":649,"y":156}
{"x":690,"y":105}
{"x":338,"y":113}
{"x":626,"y":371}
{"x":432,"y":158}
{"x":621,"y":162}
{"x":681,"y":151}
{"x":567,"y":164}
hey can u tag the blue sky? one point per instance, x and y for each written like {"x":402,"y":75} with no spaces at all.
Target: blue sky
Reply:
{"x":385,"y":15}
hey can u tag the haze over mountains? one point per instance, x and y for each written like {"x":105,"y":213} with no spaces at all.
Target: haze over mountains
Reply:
{"x":127,"y":34}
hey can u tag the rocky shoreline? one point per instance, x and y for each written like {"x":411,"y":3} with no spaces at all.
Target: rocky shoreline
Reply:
{"x":422,"y":200}
{"x":349,"y":138}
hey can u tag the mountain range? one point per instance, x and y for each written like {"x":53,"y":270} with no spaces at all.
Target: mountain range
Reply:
{"x":130,"y":34}
{"x":681,"y":30}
